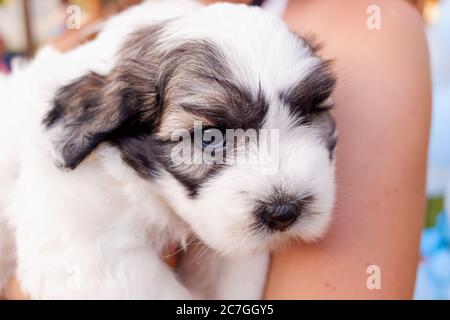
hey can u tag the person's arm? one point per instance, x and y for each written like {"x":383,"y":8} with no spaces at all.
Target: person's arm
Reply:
{"x":383,"y":114}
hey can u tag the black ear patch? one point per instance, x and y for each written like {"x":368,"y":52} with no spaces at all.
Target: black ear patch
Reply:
{"x":73,"y":100}
{"x":80,"y":119}
{"x":93,"y":108}
{"x":87,"y":112}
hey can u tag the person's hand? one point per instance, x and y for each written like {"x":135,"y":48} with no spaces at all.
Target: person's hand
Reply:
{"x":13,"y":290}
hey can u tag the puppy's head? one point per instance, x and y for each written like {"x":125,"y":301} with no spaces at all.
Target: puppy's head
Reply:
{"x":227,"y":112}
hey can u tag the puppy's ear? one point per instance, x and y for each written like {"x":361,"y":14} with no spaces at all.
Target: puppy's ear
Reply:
{"x":91,"y":109}
{"x":79,"y":120}
{"x":94,"y":108}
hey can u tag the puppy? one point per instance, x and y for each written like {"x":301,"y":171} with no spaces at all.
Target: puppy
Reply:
{"x":102,"y":169}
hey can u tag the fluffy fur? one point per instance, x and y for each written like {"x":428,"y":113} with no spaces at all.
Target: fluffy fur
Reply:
{"x":94,"y":224}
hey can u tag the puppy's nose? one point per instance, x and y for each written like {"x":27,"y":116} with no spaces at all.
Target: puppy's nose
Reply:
{"x":281,"y":216}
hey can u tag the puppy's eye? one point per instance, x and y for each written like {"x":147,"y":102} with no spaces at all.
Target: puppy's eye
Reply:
{"x":211,"y":138}
{"x":326,"y":105}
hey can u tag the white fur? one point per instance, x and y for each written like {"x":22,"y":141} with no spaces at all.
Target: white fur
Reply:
{"x":97,"y":232}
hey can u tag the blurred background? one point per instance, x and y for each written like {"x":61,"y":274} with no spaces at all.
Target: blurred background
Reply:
{"x":25,"y":25}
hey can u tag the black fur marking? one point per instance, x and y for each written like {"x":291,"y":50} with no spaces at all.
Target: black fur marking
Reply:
{"x":73,"y":100}
{"x":238,"y":110}
{"x":257,"y":2}
{"x":331,"y":146}
{"x":141,"y":153}
{"x":54,"y":115}
{"x":305,"y":98}
{"x":194,"y":185}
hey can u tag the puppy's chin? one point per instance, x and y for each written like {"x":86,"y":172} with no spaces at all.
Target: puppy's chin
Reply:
{"x":257,"y":239}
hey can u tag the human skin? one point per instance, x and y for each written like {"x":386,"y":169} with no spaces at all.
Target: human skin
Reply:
{"x":383,"y":102}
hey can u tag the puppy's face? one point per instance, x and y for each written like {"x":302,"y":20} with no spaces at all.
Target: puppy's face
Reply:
{"x":227,"y":113}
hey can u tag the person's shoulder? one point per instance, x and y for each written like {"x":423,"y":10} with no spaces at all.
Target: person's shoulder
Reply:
{"x":379,"y":49}
{"x":363,"y":23}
